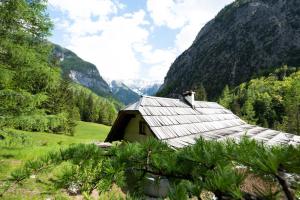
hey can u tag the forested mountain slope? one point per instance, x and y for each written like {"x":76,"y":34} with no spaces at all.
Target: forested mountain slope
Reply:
{"x":271,"y":101}
{"x":245,"y":39}
{"x":91,"y":107}
{"x":80,"y":71}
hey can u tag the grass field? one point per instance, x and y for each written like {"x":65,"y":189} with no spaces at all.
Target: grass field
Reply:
{"x":21,"y":146}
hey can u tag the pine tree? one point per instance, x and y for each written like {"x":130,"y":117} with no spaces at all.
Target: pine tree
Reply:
{"x":24,"y":53}
{"x":292,"y":104}
{"x":248,"y":112}
{"x":200,"y":93}
{"x":206,"y":166}
{"x":33,"y":95}
{"x":225,"y":98}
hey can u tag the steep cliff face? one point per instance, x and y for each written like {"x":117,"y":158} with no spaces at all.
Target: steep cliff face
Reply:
{"x":246,"y":38}
{"x":80,"y":71}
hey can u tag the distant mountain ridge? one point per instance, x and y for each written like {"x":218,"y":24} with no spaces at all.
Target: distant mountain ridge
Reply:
{"x":245,"y":39}
{"x":81,"y":71}
{"x":143,"y":87}
{"x":131,"y":93}
{"x":87,"y":74}
{"x":150,"y":90}
{"x":123,"y":93}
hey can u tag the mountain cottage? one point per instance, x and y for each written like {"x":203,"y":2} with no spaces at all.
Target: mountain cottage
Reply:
{"x":179,"y":122}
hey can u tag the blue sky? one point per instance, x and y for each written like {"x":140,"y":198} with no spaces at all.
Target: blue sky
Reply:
{"x":130,"y":39}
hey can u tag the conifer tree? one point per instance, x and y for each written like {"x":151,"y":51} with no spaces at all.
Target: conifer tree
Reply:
{"x":292,"y":105}
{"x":248,"y":112}
{"x":24,"y":52}
{"x":220,"y":168}
{"x":225,"y":98}
{"x":30,"y":91}
{"x":200,"y":93}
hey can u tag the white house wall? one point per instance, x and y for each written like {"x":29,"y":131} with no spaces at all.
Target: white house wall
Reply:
{"x":132,"y":131}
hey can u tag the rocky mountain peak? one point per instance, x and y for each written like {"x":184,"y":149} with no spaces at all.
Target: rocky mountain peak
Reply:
{"x":80,"y":71}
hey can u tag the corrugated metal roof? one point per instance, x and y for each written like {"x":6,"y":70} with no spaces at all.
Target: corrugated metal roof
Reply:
{"x":178,"y":124}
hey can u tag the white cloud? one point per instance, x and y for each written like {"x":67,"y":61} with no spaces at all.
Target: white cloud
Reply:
{"x":80,"y":14}
{"x":165,"y":13}
{"x":112,"y":44}
{"x":118,"y":44}
{"x":188,"y":16}
{"x":186,"y":36}
{"x":112,"y":50}
{"x":81,"y":9}
{"x":159,"y":60}
{"x":101,"y":37}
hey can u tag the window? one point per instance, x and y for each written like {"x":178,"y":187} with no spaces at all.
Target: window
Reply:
{"x":142,"y":127}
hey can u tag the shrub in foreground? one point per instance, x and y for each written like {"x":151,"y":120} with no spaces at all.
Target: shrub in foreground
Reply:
{"x":207,"y":166}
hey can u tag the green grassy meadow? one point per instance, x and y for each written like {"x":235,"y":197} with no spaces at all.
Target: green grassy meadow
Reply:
{"x":19,"y":146}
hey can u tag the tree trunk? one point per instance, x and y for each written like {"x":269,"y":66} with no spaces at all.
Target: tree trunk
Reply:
{"x":284,"y":186}
{"x":297,"y":120}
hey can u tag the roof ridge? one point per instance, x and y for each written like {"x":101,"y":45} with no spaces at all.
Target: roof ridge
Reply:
{"x":208,"y":102}
{"x":138,"y":103}
{"x":128,"y":106}
{"x":155,"y":97}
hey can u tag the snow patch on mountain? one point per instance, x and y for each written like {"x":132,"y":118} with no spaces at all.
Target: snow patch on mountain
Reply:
{"x":143,"y":87}
{"x":139,"y":86}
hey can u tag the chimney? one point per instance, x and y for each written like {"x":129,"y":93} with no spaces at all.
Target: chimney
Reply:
{"x":189,"y":96}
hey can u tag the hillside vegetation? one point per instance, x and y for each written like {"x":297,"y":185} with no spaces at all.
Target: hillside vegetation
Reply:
{"x":272,"y":101}
{"x":33,"y":94}
{"x":246,"y":170}
{"x":93,"y":108}
{"x":21,"y":146}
